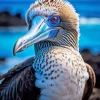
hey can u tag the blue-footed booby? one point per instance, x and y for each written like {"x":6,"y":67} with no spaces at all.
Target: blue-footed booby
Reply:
{"x":57,"y":72}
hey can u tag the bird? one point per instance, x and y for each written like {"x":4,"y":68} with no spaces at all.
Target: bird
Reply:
{"x":57,"y":71}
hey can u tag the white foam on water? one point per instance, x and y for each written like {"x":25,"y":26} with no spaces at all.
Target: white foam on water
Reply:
{"x":84,"y":20}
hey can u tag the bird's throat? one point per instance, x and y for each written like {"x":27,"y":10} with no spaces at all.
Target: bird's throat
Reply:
{"x":65,"y":37}
{"x":44,"y":44}
{"x":68,"y":37}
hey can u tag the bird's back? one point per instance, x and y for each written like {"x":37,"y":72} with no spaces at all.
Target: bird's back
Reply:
{"x":61,"y":73}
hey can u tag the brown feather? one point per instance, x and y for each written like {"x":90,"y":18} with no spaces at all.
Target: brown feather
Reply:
{"x":90,"y":83}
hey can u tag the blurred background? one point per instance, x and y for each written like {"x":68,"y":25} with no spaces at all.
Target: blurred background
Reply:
{"x":13,"y":26}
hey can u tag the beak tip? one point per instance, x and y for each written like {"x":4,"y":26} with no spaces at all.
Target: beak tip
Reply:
{"x":14,"y":53}
{"x":17,"y":48}
{"x":14,"y":50}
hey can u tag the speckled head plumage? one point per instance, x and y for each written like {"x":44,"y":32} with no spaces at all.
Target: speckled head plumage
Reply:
{"x":50,"y":20}
{"x":47,"y":7}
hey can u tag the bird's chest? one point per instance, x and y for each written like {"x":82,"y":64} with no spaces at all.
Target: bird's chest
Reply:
{"x":61,"y":74}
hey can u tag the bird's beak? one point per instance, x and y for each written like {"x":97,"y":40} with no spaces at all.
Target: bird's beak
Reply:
{"x":39,"y":31}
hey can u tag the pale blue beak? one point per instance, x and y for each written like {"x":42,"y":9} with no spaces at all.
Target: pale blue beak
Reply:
{"x":39,"y":31}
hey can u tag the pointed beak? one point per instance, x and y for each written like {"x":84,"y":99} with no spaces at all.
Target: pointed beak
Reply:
{"x":39,"y":31}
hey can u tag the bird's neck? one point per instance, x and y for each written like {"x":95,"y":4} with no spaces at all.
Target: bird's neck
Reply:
{"x":44,"y":44}
{"x":68,"y":37}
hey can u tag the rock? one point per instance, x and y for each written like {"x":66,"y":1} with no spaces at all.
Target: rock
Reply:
{"x":94,"y":61}
{"x":95,"y":95}
{"x":7,"y":20}
{"x":2,"y":60}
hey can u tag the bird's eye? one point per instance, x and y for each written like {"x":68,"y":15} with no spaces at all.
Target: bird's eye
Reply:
{"x":54,"y":19}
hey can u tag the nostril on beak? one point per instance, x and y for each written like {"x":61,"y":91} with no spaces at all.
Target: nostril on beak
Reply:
{"x":24,"y":41}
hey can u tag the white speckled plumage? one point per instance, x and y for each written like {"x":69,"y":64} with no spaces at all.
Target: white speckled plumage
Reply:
{"x":61,"y":74}
{"x":49,"y":7}
{"x":60,"y":70}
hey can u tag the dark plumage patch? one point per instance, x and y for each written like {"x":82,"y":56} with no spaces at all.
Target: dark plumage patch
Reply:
{"x":18,"y":83}
{"x":90,"y":83}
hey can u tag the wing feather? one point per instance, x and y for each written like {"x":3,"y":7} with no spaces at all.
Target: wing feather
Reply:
{"x":18,"y":83}
{"x":90,"y":83}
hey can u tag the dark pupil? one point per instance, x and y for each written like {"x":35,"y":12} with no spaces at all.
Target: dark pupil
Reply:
{"x":54,"y":19}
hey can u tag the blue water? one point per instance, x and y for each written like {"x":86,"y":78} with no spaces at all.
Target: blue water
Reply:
{"x":8,"y":37}
{"x":90,"y":37}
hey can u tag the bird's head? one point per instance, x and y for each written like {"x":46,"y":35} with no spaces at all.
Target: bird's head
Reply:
{"x":48,"y":20}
